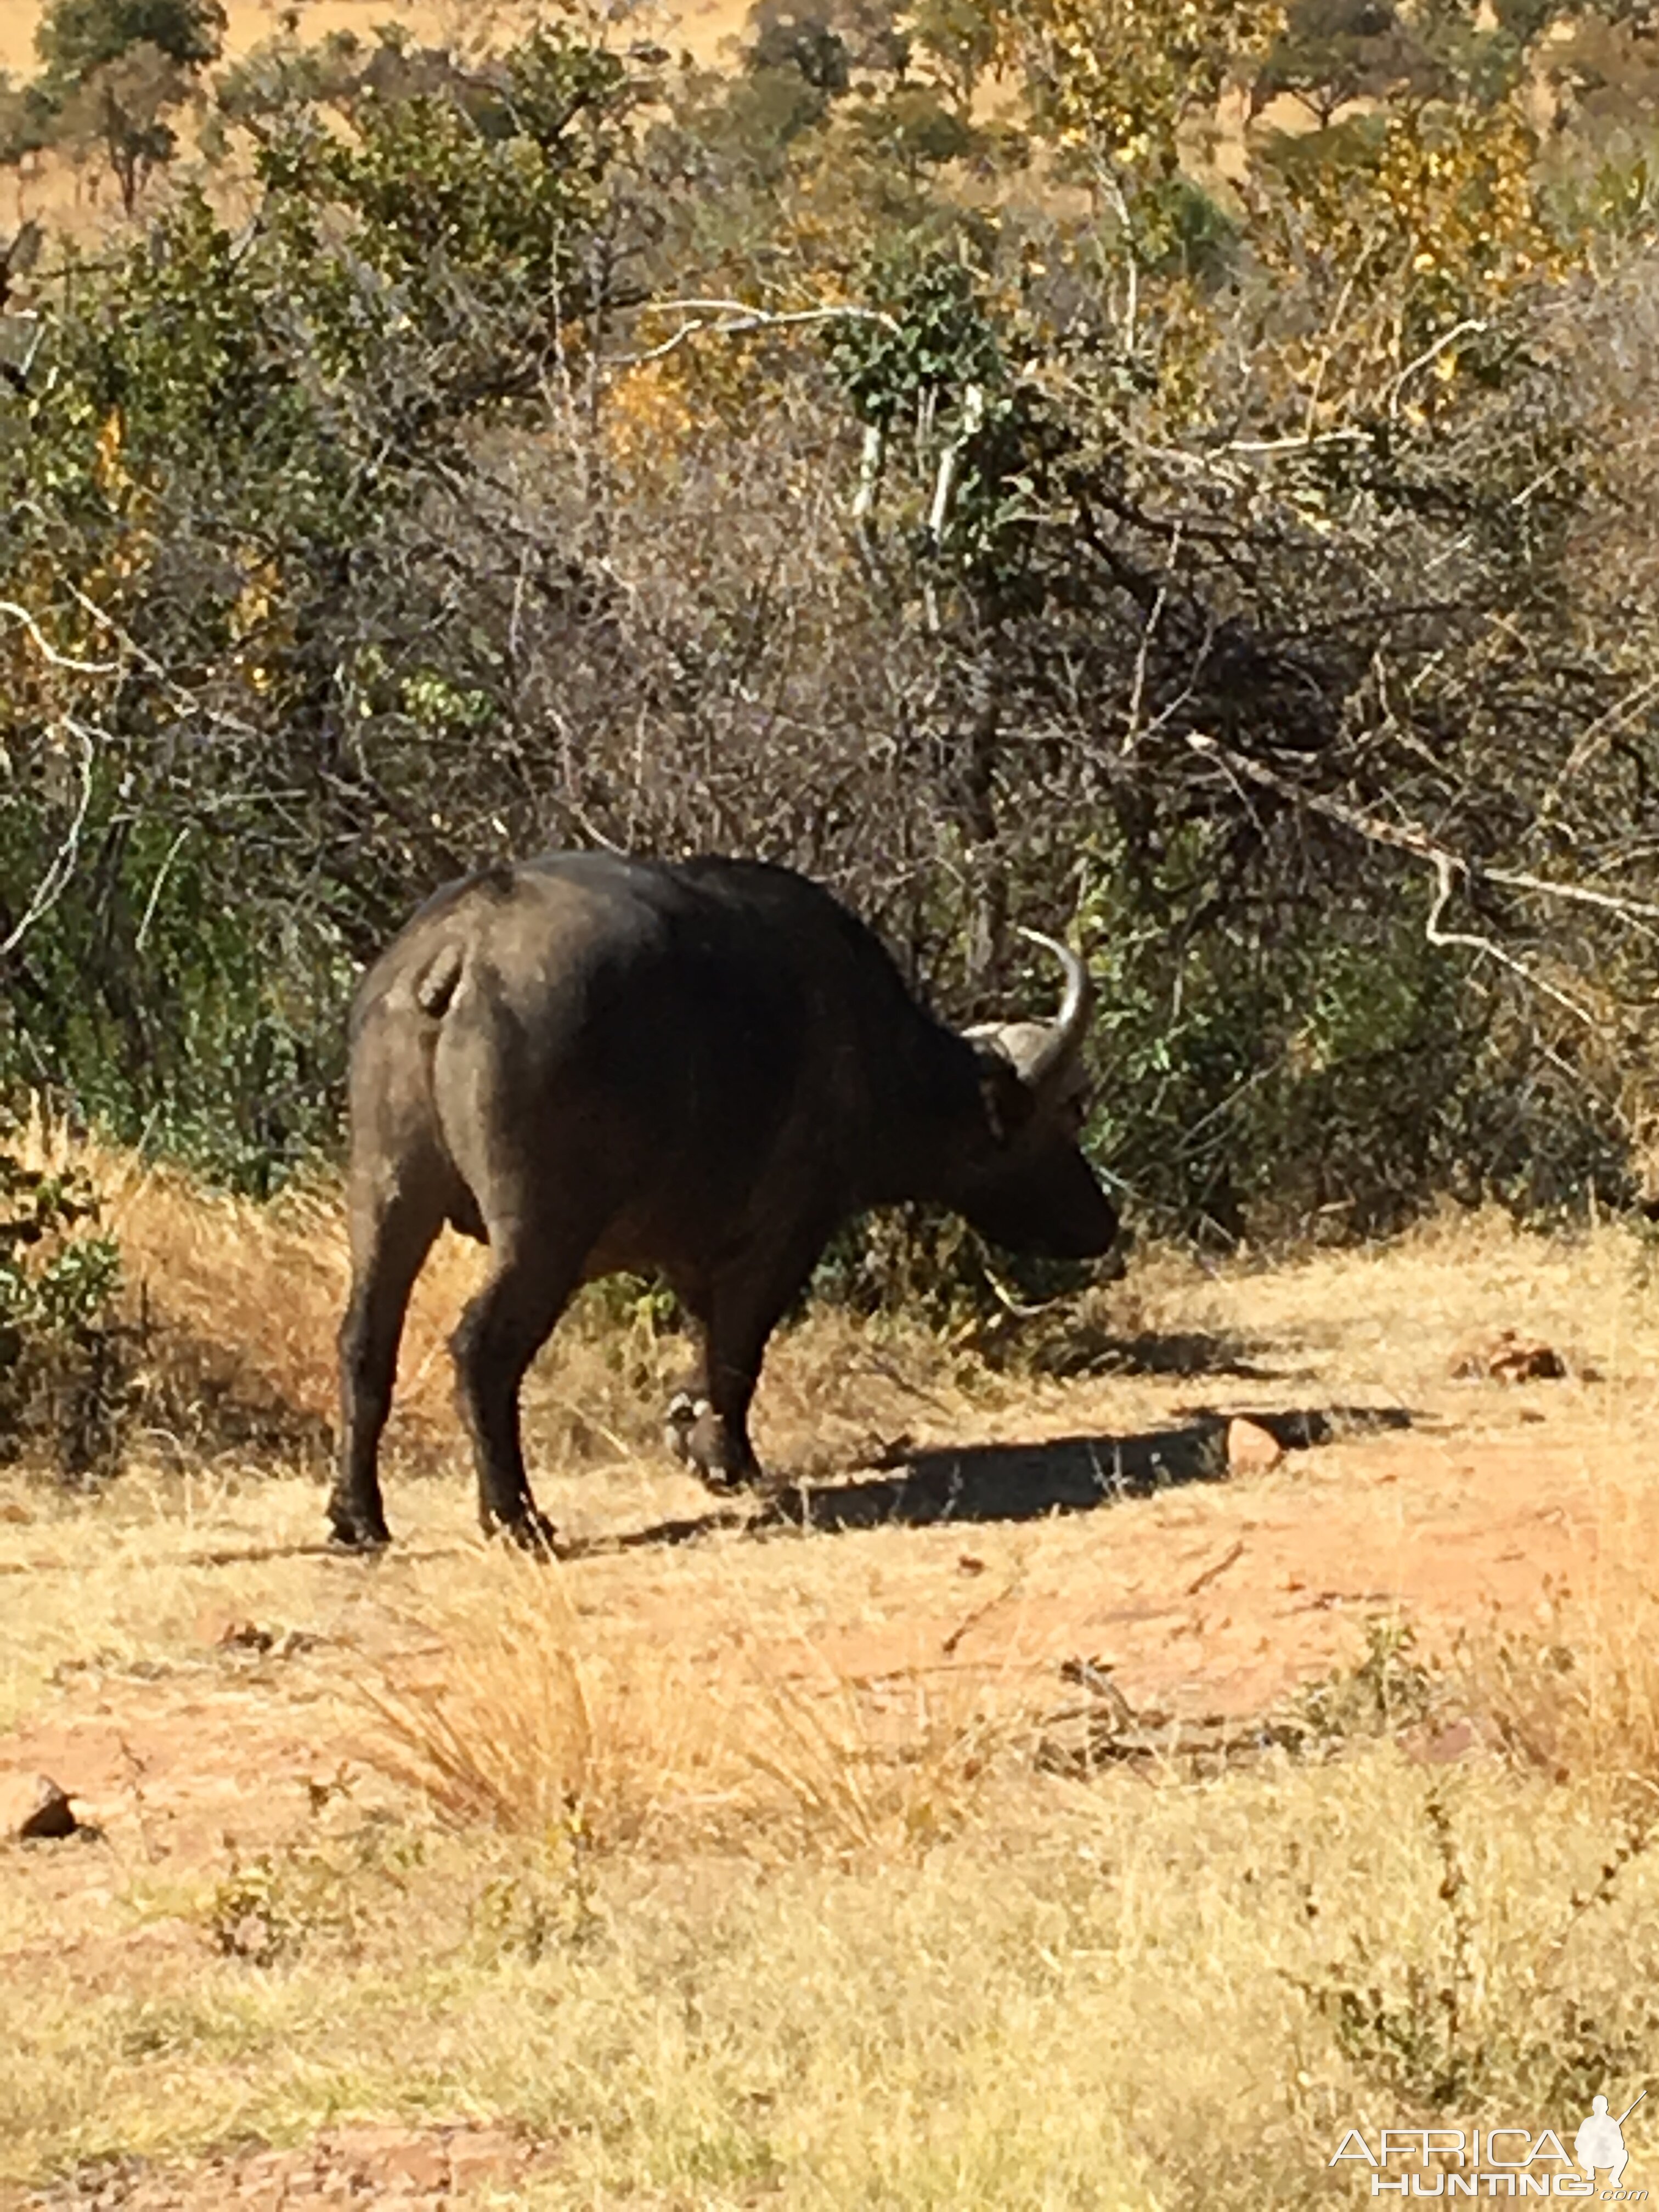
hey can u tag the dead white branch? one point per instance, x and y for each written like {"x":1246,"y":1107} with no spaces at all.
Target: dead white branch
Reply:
{"x":57,"y":878}
{"x":1444,"y":872}
{"x":871,"y":460}
{"x":1407,"y":837}
{"x":944,"y":484}
{"x":49,"y":652}
{"x":155,"y":888}
{"x":728,"y":318}
{"x":1449,"y":868}
{"x":1148,"y":631}
{"x":1471,"y":327}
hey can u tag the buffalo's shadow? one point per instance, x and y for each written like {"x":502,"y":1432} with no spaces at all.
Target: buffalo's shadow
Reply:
{"x":1019,"y":1482}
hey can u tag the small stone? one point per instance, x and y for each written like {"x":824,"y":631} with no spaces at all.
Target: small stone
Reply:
{"x":14,"y":1511}
{"x":251,"y":1938}
{"x":35,"y":1810}
{"x":231,"y":1632}
{"x":1508,"y":1356}
{"x":1252,"y":1449}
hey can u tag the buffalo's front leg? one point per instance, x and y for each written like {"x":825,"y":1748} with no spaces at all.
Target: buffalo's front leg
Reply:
{"x":500,"y":1333}
{"x":734,"y":1315}
{"x":714,"y":1445}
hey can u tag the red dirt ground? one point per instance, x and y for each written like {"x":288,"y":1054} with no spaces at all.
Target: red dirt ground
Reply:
{"x":1208,"y":1599}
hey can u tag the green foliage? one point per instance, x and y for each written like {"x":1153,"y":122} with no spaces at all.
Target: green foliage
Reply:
{"x":76,"y":37}
{"x":230,"y":428}
{"x":112,"y":68}
{"x":24,"y":120}
{"x":939,"y":339}
{"x":1390,"y":1689}
{"x":64,"y":1364}
{"x":267,"y":1909}
{"x":1300,"y":1078}
{"x":1425,"y":2029}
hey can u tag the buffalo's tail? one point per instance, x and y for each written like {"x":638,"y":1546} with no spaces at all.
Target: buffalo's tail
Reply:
{"x":435,"y":987}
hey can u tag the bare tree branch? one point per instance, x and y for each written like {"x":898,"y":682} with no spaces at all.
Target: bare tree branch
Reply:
{"x":49,"y":652}
{"x":728,"y":318}
{"x":58,"y":877}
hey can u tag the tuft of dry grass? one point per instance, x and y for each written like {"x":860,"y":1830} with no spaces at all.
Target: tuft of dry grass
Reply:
{"x":522,"y":1714}
{"x":245,"y":1300}
{"x":1577,"y":1699}
{"x":512,"y":1716}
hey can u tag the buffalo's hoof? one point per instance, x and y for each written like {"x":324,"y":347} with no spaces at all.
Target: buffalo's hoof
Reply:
{"x":357,"y":1532}
{"x":684,"y":1411}
{"x":732,"y":1482}
{"x":698,"y":1438}
{"x":531,"y":1532}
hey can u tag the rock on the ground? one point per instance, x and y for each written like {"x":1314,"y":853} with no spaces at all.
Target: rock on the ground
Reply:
{"x":34,"y":1808}
{"x":1509,"y":1357}
{"x":1252,"y":1449}
{"x":223,"y":1631}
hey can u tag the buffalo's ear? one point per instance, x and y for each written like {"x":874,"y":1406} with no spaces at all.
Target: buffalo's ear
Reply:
{"x":1007,"y":1101}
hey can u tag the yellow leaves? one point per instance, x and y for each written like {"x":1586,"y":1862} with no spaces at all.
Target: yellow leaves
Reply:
{"x":107,"y":447}
{"x":133,"y":496}
{"x":1443,"y":200}
{"x":253,"y":601}
{"x":251,"y":620}
{"x":650,"y":414}
{"x":1410,"y":225}
{"x":1120,"y":76}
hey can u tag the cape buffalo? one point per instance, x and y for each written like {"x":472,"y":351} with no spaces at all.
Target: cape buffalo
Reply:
{"x":695,"y":1067}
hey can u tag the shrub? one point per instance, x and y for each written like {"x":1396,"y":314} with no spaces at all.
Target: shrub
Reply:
{"x":66,"y":1357}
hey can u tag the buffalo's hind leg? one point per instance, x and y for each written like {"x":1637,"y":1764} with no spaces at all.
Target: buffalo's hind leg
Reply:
{"x":500,"y":1333}
{"x":390,"y":1237}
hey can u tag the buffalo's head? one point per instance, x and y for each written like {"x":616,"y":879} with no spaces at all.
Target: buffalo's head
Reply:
{"x":1026,"y":1183}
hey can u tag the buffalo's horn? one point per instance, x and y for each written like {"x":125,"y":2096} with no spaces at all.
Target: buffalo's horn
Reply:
{"x":1063,"y":1040}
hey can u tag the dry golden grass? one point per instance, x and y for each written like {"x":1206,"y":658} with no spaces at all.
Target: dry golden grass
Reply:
{"x":527,"y":1715}
{"x":1576,"y":1697}
{"x":728,"y":1866}
{"x":1168,"y":1998}
{"x":244,"y":1301}
{"x":242,"y":1296}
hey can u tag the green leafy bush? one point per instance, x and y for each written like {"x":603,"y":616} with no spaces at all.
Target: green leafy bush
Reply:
{"x":65,"y":1356}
